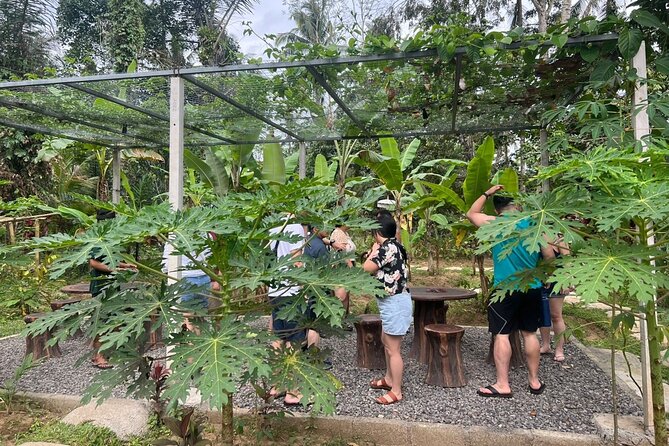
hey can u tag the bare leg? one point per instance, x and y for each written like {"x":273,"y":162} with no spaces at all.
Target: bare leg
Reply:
{"x":559,"y":326}
{"x":395,"y":363}
{"x":343,"y":296}
{"x":502,"y":355}
{"x":532,"y":355}
{"x":313,"y":338}
{"x":98,"y":358}
{"x":545,"y":339}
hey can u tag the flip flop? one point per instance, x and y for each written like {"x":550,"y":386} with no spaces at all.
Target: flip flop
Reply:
{"x":558,"y":358}
{"x":393,"y":399}
{"x":102,"y":365}
{"x":538,"y":391}
{"x":380,"y":384}
{"x":494,"y":393}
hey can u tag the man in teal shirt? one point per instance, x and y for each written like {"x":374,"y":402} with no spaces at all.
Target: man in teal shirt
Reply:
{"x":520,"y":310}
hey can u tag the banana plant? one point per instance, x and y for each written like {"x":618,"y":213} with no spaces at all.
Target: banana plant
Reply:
{"x":323,"y":171}
{"x":227,"y":168}
{"x":478,"y":179}
{"x":391,"y":167}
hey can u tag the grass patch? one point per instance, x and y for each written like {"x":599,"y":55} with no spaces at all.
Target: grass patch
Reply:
{"x":10,"y":325}
{"x":88,"y":435}
{"x":593,"y":328}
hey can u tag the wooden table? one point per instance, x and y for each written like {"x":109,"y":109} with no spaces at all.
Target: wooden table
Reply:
{"x":430,"y":308}
{"x":76,"y":289}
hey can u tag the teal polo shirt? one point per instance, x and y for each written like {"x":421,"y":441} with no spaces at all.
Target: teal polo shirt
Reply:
{"x":519,"y":259}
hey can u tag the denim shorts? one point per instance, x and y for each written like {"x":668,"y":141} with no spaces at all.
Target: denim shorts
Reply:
{"x":396,"y":313}
{"x":201,"y":299}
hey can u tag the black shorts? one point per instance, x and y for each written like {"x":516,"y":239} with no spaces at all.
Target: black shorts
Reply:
{"x":520,"y":310}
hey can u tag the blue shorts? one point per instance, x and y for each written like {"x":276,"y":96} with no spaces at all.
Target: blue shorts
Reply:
{"x":202,"y":299}
{"x":396,"y":313}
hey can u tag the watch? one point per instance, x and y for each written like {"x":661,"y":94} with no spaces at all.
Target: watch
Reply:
{"x":485,"y":194}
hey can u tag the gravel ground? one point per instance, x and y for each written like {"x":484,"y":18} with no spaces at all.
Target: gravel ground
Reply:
{"x":575,"y":390}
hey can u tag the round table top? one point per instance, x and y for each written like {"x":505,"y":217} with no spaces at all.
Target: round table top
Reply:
{"x":440,"y":294}
{"x":77,"y":288}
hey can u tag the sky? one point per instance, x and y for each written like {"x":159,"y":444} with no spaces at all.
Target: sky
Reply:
{"x":269,"y":17}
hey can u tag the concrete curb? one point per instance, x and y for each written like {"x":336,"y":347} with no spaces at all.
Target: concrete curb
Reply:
{"x":380,"y":432}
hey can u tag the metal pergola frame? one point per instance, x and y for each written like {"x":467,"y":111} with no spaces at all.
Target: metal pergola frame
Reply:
{"x":177,"y":124}
{"x":312,"y":66}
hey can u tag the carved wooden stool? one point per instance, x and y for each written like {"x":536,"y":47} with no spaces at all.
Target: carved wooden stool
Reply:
{"x":155,"y":339}
{"x":58,"y":304}
{"x":371,"y":353}
{"x":37,"y":344}
{"x":445,"y":366}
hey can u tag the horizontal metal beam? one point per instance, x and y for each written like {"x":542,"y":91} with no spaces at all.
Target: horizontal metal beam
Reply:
{"x":42,"y":111}
{"x":47,"y":131}
{"x":144,"y":111}
{"x":466,"y":130}
{"x":240,"y":106}
{"x":335,"y":97}
{"x":287,"y":64}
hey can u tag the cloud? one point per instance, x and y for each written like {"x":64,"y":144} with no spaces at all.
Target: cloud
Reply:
{"x":269,"y":17}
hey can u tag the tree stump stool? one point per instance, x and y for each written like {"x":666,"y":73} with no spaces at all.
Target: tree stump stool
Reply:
{"x":370,"y":350}
{"x":58,"y":304}
{"x":37,"y":344}
{"x":155,"y":339}
{"x":517,"y":358}
{"x":445,"y":367}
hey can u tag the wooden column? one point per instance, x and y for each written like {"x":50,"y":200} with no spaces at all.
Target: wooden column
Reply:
{"x":302,"y":166}
{"x":176,"y":174}
{"x":116,"y":176}
{"x":641,"y":126}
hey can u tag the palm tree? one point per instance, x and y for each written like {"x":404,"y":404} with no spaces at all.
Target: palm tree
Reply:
{"x":313,"y":23}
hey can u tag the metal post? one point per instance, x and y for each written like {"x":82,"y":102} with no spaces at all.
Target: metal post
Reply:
{"x":302,"y":169}
{"x":642,"y":128}
{"x":116,"y":176}
{"x":176,"y":174}
{"x":545,"y":162}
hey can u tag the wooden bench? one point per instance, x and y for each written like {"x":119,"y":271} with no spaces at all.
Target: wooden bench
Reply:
{"x":37,"y":344}
{"x":370,"y":350}
{"x":445,"y":367}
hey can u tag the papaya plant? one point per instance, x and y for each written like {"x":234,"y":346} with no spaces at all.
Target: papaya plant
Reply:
{"x":227,"y":350}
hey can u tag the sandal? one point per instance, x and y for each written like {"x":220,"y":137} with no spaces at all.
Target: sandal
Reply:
{"x":493,"y":393}
{"x":388,"y":398}
{"x":538,"y":391}
{"x":558,"y":358}
{"x":103,"y":365}
{"x":380,"y":384}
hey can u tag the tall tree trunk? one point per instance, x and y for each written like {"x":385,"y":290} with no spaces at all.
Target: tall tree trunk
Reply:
{"x":227,"y":423}
{"x":565,"y":11}
{"x":655,"y":357}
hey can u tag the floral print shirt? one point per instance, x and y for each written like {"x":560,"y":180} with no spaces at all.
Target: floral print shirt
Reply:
{"x":392,"y":265}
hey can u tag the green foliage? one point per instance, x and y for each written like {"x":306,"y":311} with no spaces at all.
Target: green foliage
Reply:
{"x":24,"y":289}
{"x":227,"y":351}
{"x":274,"y":167}
{"x":10,"y":386}
{"x":81,"y":435}
{"x":188,"y":429}
{"x":479,"y":168}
